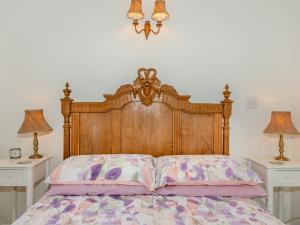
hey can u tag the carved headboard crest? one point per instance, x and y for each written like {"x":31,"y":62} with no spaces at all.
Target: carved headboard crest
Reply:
{"x":147,"y":87}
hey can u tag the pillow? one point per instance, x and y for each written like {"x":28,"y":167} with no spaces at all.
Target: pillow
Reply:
{"x":238,"y":191}
{"x":203,"y":170}
{"x":122,"y":169}
{"x":97,"y":189}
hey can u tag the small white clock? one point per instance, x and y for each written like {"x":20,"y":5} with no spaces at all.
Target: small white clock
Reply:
{"x":15,"y":153}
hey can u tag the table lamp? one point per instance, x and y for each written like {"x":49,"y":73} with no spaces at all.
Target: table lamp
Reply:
{"x":34,"y":122}
{"x":281,"y":123}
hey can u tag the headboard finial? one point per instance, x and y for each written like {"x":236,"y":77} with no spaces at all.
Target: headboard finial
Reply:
{"x":67,"y":91}
{"x":226,"y":92}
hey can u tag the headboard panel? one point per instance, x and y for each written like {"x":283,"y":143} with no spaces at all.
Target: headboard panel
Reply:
{"x":147,"y":118}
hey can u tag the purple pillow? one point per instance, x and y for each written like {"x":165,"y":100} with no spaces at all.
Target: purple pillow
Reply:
{"x":97,"y":189}
{"x":241,"y":191}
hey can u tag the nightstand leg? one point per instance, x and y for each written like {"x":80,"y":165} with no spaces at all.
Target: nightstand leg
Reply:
{"x":281,"y":203}
{"x":284,"y":199}
{"x":270,"y":191}
{"x":270,"y":198}
{"x":47,"y":174}
{"x":29,"y":188}
{"x":14,"y":204}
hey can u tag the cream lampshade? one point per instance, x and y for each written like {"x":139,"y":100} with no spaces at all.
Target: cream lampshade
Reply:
{"x":281,"y":123}
{"x":135,"y":11}
{"x":160,"y":12}
{"x":35,"y":122}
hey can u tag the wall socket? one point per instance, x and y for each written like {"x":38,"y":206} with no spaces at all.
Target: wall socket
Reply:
{"x":251,"y":103}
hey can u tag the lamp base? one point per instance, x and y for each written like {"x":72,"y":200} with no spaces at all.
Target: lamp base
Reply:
{"x":282,"y":158}
{"x":36,"y":156}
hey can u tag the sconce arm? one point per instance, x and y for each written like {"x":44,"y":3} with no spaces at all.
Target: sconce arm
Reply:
{"x":158,"y":25}
{"x":136,"y":24}
{"x":147,"y":28}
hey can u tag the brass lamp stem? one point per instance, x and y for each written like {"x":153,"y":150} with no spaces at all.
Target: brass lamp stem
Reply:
{"x":35,"y":155}
{"x":281,"y":157}
{"x":147,"y":28}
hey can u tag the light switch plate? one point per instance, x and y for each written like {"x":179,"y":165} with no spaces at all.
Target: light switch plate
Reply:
{"x":251,"y":103}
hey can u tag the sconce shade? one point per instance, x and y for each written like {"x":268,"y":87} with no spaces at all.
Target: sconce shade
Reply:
{"x":281,"y":123}
{"x":34,"y":122}
{"x":160,"y":12}
{"x":135,"y":11}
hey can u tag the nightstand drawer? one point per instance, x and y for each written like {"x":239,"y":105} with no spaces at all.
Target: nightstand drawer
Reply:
{"x":12,"y":177}
{"x":286,"y":177}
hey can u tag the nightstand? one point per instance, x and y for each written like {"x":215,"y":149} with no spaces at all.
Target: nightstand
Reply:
{"x":14,"y":174}
{"x":285,"y":175}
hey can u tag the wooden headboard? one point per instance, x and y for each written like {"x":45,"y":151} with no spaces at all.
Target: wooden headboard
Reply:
{"x":145,"y":117}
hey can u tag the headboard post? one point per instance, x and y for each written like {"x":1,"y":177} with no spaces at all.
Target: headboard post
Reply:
{"x":227,"y":109}
{"x":66,"y":104}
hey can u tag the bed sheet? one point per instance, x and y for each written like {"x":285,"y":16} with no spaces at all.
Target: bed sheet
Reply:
{"x":146,"y":210}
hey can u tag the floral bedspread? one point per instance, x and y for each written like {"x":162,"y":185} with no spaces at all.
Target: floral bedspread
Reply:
{"x":145,"y":210}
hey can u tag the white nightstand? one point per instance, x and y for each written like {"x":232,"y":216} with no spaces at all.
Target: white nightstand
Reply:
{"x":286,"y":175}
{"x":14,"y":174}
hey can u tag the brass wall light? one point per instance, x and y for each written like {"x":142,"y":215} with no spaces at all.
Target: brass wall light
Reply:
{"x":159,"y":14}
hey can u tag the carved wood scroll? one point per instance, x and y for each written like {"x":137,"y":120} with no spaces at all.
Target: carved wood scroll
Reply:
{"x":146,"y":86}
{"x":146,"y":117}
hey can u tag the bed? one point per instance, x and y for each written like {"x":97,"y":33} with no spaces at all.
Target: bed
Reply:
{"x":149,"y":118}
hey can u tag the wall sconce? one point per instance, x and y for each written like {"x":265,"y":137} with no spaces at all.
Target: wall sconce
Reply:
{"x":159,"y":14}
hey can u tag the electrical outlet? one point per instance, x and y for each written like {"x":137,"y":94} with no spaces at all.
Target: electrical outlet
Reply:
{"x":251,"y":103}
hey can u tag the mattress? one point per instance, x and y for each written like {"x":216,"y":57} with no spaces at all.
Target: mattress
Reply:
{"x":146,"y":210}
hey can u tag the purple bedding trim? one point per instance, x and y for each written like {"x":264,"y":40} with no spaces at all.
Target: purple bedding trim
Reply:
{"x":97,"y":189}
{"x":243,"y":191}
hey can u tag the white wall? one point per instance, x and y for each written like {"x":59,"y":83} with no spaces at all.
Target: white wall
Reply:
{"x":296,"y":195}
{"x":297,"y":73}
{"x":249,"y":44}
